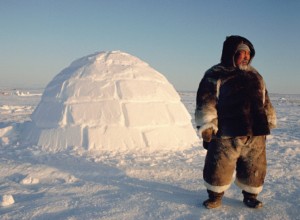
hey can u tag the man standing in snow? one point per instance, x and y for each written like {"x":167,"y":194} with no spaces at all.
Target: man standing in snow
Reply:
{"x":234,"y":114}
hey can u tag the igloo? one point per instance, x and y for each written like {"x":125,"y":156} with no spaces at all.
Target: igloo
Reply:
{"x":111,"y":101}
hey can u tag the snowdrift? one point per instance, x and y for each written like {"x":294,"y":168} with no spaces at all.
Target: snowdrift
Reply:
{"x":111,"y":101}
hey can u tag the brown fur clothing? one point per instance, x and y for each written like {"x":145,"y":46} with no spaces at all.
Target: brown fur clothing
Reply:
{"x":245,"y":155}
{"x":236,"y":105}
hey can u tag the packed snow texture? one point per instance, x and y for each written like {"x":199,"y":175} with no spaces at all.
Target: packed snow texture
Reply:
{"x":108,"y":101}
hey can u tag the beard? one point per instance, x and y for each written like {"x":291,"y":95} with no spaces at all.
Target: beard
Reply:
{"x":243,"y":66}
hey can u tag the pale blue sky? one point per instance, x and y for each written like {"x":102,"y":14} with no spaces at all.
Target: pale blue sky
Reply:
{"x":179,"y":38}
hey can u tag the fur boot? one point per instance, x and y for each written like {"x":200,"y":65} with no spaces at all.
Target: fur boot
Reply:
{"x":214,"y":200}
{"x":251,"y":201}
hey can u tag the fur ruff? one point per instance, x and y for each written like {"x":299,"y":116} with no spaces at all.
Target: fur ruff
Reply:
{"x":249,"y":189}
{"x":217,"y":189}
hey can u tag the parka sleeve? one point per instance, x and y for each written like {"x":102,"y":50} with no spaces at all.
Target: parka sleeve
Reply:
{"x":270,"y":112}
{"x":206,"y":112}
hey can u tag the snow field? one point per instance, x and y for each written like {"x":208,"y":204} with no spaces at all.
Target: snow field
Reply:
{"x":121,"y":185}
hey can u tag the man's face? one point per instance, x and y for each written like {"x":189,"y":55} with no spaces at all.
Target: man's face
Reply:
{"x":242,"y":59}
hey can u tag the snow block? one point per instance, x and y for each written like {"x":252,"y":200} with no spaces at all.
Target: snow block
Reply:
{"x":178,"y":114}
{"x":123,"y":139}
{"x":164,"y":137}
{"x":147,"y":90}
{"x":59,"y":139}
{"x":95,"y":113}
{"x":146,"y":114}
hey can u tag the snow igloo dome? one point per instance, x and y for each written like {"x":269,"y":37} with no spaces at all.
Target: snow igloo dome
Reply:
{"x":111,"y":101}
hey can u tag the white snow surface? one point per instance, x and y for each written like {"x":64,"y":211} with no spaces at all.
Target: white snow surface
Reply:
{"x":75,"y":184}
{"x":111,"y":101}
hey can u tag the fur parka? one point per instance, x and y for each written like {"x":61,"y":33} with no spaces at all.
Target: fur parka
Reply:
{"x":234,"y":102}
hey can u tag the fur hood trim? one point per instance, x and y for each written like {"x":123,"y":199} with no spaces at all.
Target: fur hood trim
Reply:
{"x":230,"y":46}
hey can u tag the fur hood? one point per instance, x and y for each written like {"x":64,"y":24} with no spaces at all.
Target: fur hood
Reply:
{"x":230,"y":46}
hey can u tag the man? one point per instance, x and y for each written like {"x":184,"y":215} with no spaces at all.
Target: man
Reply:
{"x":234,"y":114}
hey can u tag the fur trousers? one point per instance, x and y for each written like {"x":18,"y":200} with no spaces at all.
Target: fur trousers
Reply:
{"x":245,"y":155}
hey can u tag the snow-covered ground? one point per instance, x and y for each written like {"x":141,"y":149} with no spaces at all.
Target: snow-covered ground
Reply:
{"x":72,"y":184}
